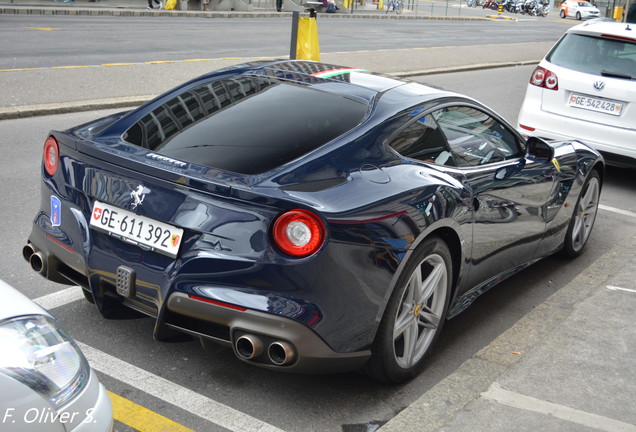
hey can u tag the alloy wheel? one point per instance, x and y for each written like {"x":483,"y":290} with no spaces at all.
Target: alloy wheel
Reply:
{"x":420,"y":311}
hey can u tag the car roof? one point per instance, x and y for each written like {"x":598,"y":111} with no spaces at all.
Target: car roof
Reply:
{"x":602,"y":27}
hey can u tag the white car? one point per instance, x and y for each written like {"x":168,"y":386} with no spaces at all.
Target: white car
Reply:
{"x":579,"y":10}
{"x":47,"y":384}
{"x":585,"y":88}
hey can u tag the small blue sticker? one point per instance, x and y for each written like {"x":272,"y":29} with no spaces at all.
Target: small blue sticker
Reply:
{"x":56,"y":211}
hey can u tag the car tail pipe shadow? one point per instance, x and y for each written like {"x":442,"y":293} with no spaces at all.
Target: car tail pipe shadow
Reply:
{"x":35,"y":258}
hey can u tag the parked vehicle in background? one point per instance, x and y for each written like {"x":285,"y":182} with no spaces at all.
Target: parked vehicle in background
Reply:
{"x":585,"y":88}
{"x":579,"y":10}
{"x":47,"y":384}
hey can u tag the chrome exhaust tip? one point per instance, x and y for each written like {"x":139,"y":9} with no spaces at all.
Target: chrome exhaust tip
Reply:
{"x":27,"y":251}
{"x":281,"y":353}
{"x":38,"y":263}
{"x":249,"y":347}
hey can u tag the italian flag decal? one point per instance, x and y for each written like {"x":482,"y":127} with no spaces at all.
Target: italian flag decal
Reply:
{"x":335,"y":72}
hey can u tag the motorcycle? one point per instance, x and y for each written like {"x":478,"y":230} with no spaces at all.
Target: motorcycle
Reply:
{"x":472,"y":3}
{"x":490,"y":4}
{"x":528,"y":7}
{"x":543,"y":9}
{"x":509,"y":5}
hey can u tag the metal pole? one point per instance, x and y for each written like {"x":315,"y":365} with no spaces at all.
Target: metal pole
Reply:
{"x":294,"y":35}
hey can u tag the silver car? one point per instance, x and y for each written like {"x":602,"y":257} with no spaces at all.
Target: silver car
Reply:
{"x":47,"y":384}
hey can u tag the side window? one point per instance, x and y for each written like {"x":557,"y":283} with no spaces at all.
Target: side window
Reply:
{"x":422,"y":140}
{"x":475,"y":138}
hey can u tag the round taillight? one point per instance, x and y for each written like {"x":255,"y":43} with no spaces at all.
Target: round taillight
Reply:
{"x":538,"y":76}
{"x":551,"y":81}
{"x":298,"y":233}
{"x":51,"y":157}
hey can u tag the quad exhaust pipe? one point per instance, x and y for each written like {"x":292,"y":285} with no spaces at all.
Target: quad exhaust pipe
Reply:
{"x":35,"y":258}
{"x":281,"y":353}
{"x":250,"y":347}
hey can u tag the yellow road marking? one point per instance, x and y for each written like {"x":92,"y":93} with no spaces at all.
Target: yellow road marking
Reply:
{"x":159,"y":61}
{"x":142,"y":419}
{"x":42,"y":28}
{"x":68,"y":67}
{"x":118,"y":64}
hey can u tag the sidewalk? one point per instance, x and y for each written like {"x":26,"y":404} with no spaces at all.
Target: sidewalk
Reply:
{"x":568,"y":366}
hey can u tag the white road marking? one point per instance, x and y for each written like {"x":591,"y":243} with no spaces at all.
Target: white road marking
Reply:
{"x":615,"y":288}
{"x":179,"y":396}
{"x":615,"y":210}
{"x":516,"y":400}
{"x":60,"y":298}
{"x":188,"y":400}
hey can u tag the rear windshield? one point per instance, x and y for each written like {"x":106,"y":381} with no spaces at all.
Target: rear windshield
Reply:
{"x":246,"y":124}
{"x":595,"y":55}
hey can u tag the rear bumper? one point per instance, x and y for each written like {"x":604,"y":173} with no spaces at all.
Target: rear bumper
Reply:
{"x":210,"y":321}
{"x":618,"y":145}
{"x":219,"y":323}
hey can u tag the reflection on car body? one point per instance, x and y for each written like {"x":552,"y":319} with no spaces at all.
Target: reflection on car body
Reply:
{"x":332,"y":218}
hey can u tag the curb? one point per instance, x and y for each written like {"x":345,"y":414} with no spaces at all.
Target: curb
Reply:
{"x":7,"y":113}
{"x":25,"y":111}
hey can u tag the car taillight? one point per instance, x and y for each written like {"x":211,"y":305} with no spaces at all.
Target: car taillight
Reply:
{"x":51,"y":156}
{"x":298,"y":233}
{"x":544,"y":78}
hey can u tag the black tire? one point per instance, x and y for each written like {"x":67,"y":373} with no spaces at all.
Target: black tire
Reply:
{"x":578,"y":16}
{"x":415,"y":311}
{"x":583,"y":217}
{"x":562,"y":14}
{"x":399,"y":8}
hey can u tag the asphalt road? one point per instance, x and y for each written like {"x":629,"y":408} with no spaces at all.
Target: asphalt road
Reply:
{"x":253,"y":397}
{"x":45,"y":40}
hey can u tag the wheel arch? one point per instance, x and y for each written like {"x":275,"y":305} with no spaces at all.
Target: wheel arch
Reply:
{"x":449,"y":235}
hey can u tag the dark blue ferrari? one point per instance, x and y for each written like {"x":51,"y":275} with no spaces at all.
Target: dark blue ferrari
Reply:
{"x":314,"y":218}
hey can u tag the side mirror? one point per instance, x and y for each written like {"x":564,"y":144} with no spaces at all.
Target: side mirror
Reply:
{"x":539,"y":150}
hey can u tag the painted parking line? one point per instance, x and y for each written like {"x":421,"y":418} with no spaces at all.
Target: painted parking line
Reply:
{"x":154,"y":385}
{"x":528,"y":403}
{"x":175,"y":394}
{"x":140,"y":418}
{"x":60,"y":298}
{"x":616,"y":210}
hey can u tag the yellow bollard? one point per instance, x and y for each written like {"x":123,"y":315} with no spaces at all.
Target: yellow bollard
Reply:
{"x":618,"y":13}
{"x":380,"y":4}
{"x":307,"y":45}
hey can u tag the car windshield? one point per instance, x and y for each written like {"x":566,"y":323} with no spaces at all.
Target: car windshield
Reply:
{"x":595,"y":55}
{"x":246,"y":124}
{"x":585,"y":4}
